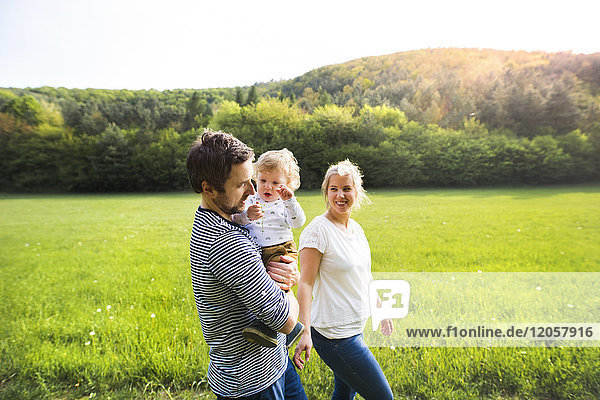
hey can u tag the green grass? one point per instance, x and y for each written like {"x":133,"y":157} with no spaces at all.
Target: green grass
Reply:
{"x":63,"y":258}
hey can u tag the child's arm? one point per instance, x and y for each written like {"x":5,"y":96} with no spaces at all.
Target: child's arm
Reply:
{"x":255,"y":212}
{"x":251,"y":213}
{"x":241,"y":218}
{"x":294,"y":213}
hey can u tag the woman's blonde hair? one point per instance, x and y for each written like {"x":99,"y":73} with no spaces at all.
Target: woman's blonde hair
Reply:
{"x":280,"y":160}
{"x":347,"y":168}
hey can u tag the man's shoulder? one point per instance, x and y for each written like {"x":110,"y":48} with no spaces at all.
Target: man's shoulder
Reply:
{"x":213,"y":229}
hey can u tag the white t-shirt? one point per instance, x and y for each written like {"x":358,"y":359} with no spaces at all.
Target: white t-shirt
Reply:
{"x":275,"y":227}
{"x":340,"y":305}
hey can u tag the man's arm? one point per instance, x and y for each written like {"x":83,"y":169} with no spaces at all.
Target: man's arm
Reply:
{"x":292,"y":319}
{"x":237,"y":264}
{"x":286,"y":275}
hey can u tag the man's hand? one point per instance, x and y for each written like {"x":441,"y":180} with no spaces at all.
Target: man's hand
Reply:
{"x":285,"y":192}
{"x":285,"y":273}
{"x":255,"y":212}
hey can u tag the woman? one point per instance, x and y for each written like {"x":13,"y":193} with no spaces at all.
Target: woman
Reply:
{"x":335,"y":261}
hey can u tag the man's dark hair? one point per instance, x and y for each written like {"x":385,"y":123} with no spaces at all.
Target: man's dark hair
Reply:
{"x":210,"y":159}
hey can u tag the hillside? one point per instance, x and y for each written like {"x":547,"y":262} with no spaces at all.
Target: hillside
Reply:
{"x":527,"y":92}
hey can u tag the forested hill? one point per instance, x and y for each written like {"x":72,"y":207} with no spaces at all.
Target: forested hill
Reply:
{"x":527,"y":92}
{"x":427,"y":117}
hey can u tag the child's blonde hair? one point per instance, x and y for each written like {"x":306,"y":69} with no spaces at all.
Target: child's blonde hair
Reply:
{"x":347,"y":168}
{"x":280,"y":160}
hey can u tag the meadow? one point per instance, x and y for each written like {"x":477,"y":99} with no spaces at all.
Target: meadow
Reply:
{"x":97,"y":299}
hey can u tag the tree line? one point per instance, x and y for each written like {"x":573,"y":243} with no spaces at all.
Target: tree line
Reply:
{"x":430,"y":118}
{"x":392,"y":150}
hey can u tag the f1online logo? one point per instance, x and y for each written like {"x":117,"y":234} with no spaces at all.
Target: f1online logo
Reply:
{"x":388,"y":300}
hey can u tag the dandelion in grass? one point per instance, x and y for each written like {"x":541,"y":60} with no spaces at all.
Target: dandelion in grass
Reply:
{"x":108,"y":307}
{"x":570,"y":305}
{"x":26,"y":244}
{"x":538,"y":288}
{"x":111,"y":317}
{"x":518,"y":230}
{"x":92,"y":334}
{"x":88,"y":343}
{"x":99,"y":310}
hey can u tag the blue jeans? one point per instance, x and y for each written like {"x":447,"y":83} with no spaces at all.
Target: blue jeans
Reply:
{"x":288,"y":387}
{"x":354,"y":367}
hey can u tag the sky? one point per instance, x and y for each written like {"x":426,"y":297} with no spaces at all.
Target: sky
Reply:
{"x":177,"y":44}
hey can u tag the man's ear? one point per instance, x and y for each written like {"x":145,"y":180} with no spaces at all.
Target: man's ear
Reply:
{"x":208,"y":190}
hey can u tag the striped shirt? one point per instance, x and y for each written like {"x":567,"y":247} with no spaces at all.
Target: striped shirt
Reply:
{"x":231,"y":289}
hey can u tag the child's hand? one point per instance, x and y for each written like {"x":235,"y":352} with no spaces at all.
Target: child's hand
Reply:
{"x":255,"y":212}
{"x":285,"y":192}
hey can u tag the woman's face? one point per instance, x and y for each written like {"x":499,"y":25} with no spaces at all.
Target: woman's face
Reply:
{"x":341,"y":193}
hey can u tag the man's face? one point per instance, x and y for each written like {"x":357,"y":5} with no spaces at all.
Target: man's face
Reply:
{"x":237,"y":189}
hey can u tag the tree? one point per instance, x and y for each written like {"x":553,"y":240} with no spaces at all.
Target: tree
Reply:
{"x":198,"y":112}
{"x":252,"y":96}
{"x":26,"y":108}
{"x":562,"y":113}
{"x":110,"y":164}
{"x":526,"y":107}
{"x":239,"y":96}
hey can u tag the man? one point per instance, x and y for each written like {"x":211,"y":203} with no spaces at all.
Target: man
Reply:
{"x":231,"y":286}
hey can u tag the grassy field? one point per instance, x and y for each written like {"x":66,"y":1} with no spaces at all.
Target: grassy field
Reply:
{"x":97,"y":299}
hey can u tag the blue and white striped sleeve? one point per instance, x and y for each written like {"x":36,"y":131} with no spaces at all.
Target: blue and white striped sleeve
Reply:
{"x":237,"y":264}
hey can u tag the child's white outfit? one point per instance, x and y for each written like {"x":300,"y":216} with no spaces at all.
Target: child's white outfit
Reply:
{"x":273,"y":233}
{"x":275,"y":227}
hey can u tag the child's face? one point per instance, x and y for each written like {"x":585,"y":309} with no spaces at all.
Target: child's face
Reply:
{"x":267,"y":182}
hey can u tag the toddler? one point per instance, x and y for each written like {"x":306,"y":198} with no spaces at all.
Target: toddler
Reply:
{"x":270,"y":215}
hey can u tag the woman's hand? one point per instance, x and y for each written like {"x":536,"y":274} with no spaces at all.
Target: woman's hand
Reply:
{"x":387,"y":327}
{"x":304,"y":345}
{"x":285,"y":273}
